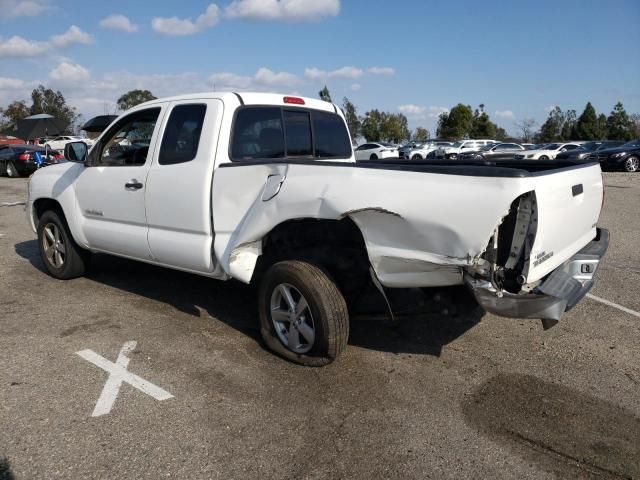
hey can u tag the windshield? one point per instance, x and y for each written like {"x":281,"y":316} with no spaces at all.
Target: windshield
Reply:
{"x":632,"y":144}
{"x":457,"y":144}
{"x":550,"y":146}
{"x":385,"y":144}
{"x":487,"y":147}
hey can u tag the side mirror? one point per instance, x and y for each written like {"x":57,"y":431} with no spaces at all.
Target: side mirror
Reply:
{"x":76,"y":152}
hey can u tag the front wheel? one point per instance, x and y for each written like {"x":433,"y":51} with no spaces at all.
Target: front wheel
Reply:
{"x":373,"y":157}
{"x":543,"y":157}
{"x":12,"y":171}
{"x":303,"y":315}
{"x":61,"y":255}
{"x":632,"y":164}
{"x":416,"y":157}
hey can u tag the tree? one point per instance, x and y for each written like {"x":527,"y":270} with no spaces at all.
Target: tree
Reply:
{"x":525,"y":126}
{"x":602,"y":127}
{"x":134,"y":97}
{"x":420,"y":134}
{"x":15,"y":112}
{"x":45,"y":100}
{"x":501,"y":134}
{"x":482,"y":126}
{"x":325,"y":95}
{"x":455,"y":124}
{"x":619,"y":125}
{"x":569,"y":126}
{"x":551,"y":129}
{"x":372,"y":126}
{"x":395,"y":127}
{"x":635,"y":118}
{"x":587,"y":124}
{"x":351,"y":117}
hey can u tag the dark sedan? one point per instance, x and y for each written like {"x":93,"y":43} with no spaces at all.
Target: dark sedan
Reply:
{"x":21,"y":160}
{"x":586,"y":149}
{"x":500,"y":151}
{"x":625,"y":157}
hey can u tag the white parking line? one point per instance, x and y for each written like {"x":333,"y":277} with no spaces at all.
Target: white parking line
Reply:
{"x":117,"y":374}
{"x":614,"y":305}
{"x":11,"y":204}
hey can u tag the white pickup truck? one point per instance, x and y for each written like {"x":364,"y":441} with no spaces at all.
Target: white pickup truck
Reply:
{"x":264,"y":188}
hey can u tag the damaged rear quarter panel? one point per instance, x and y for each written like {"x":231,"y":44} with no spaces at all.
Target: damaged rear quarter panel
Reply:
{"x":420,"y":229}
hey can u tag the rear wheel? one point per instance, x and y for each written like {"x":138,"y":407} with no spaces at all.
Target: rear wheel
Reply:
{"x":61,"y":255}
{"x":373,"y":157}
{"x":416,"y":157}
{"x":632,"y":164}
{"x":303,"y":315}
{"x":12,"y":171}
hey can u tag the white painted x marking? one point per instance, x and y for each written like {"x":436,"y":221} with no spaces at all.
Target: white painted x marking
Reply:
{"x":118,"y":373}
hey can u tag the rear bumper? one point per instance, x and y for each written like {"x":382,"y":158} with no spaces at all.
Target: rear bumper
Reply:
{"x":558,"y":293}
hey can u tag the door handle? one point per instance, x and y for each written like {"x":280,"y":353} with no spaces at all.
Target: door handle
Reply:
{"x":133,"y":184}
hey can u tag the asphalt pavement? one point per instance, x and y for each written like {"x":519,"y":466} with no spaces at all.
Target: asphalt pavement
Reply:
{"x":438,"y":396}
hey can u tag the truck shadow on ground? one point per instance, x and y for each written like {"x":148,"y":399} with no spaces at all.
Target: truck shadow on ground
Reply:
{"x":426,"y":330}
{"x":5,"y":470}
{"x":566,"y":432}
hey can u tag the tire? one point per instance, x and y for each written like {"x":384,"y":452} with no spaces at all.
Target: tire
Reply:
{"x":373,"y":157}
{"x":319,"y":333}
{"x":11,"y":170}
{"x":543,"y":157}
{"x":632,"y":164}
{"x":416,"y":157}
{"x":61,"y":255}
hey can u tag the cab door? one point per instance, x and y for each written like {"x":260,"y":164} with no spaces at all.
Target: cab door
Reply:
{"x":178,"y":196}
{"x":111,"y":191}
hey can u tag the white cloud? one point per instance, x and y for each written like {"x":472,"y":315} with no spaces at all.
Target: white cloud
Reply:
{"x":67,"y":73}
{"x":7,"y":83}
{"x":263,"y":78}
{"x":382,"y":71}
{"x":21,"y":47}
{"x":283,"y":10}
{"x":119,"y":22}
{"x":504,"y":114}
{"x":344,"y":72}
{"x":419,"y":112}
{"x":355,"y":87}
{"x":22,"y":8}
{"x":175,"y":26}
{"x":70,"y":37}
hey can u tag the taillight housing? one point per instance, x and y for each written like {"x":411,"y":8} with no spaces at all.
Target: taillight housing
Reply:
{"x":23,"y":157}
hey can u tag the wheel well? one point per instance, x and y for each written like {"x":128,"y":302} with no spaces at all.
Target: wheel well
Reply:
{"x":45,"y":204}
{"x":335,"y":245}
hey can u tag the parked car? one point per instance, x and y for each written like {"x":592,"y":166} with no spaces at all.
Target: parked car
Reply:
{"x":403,"y":151}
{"x":20,"y":160}
{"x":499,"y":151}
{"x":586,"y":149}
{"x":547,"y":151}
{"x":624,"y":157}
{"x":420,"y":153}
{"x":58,"y":143}
{"x":295,"y":214}
{"x":375,"y":151}
{"x":452,"y":152}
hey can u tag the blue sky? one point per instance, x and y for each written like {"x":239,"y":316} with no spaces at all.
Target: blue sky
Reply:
{"x":419,"y":57}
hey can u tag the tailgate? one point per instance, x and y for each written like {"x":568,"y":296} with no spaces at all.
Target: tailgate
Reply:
{"x":568,"y":207}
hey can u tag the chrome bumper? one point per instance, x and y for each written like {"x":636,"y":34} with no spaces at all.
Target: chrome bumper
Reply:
{"x":559,"y":292}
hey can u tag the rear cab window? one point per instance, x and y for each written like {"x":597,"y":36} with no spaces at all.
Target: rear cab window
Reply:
{"x":182,"y":134}
{"x":270,"y":132}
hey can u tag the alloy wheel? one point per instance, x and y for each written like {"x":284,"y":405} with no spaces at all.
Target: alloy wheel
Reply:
{"x":53,"y":245}
{"x":292,"y":318}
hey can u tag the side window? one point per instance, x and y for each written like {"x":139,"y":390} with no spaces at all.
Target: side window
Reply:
{"x":297,"y":127}
{"x":570,"y":147}
{"x":182,"y":134}
{"x":331,"y":136}
{"x":257,"y":133}
{"x":127,"y":143}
